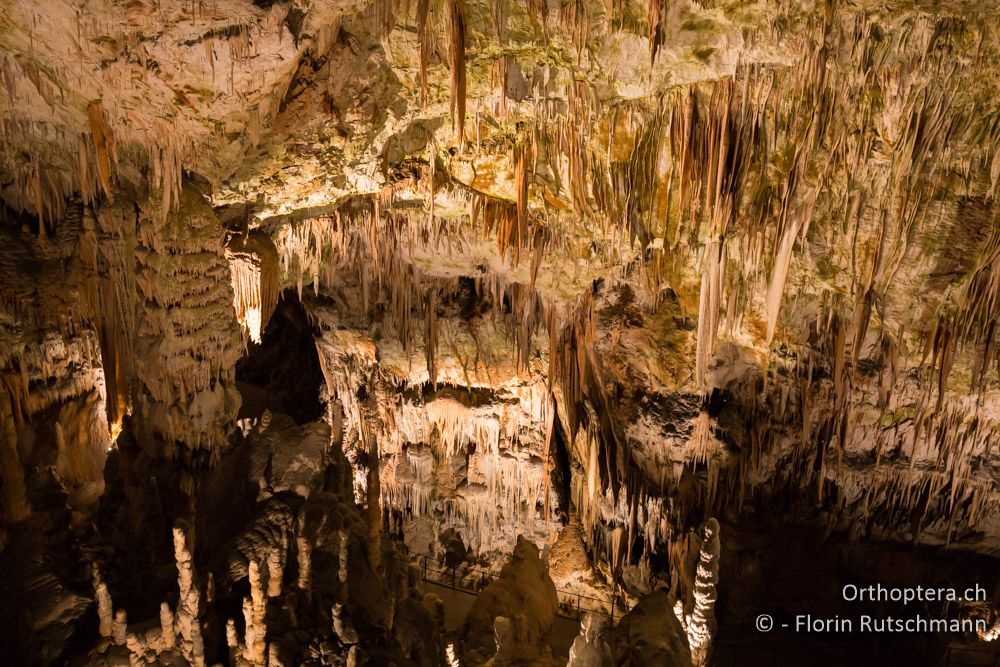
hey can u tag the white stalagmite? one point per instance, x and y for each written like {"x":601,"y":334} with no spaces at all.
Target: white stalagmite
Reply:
{"x":305,"y":562}
{"x":120,"y":627}
{"x":452,"y":656}
{"x":189,"y":601}
{"x":586,"y":649}
{"x":274,"y":573}
{"x":232,"y":640}
{"x":168,"y":635}
{"x":105,"y":614}
{"x":136,"y":648}
{"x":700,"y":626}
{"x":254,"y":609}
{"x":992,"y":633}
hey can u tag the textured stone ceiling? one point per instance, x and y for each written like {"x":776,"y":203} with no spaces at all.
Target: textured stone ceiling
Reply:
{"x":620,"y":265}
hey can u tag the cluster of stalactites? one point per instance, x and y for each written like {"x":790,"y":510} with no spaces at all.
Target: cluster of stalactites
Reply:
{"x":187,"y":338}
{"x":253,"y":264}
{"x":726,"y":201}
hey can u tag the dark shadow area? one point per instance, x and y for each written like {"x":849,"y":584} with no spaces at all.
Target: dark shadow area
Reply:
{"x":283,"y":373}
{"x":797,"y":577}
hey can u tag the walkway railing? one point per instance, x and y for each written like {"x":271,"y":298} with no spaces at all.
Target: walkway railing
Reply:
{"x":473,"y":580}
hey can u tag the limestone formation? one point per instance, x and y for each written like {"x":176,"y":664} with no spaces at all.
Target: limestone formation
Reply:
{"x":512,"y":296}
{"x":342,"y":626}
{"x":304,"y":551}
{"x":588,"y":648}
{"x":700,"y":623}
{"x":168,"y":636}
{"x":254,"y":610}
{"x":275,"y":570}
{"x":524,"y":599}
{"x":104,"y":604}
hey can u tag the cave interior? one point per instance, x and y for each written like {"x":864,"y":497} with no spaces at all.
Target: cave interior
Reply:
{"x":480,"y":332}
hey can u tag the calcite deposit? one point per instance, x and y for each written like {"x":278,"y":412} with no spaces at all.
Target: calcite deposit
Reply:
{"x":634,"y":319}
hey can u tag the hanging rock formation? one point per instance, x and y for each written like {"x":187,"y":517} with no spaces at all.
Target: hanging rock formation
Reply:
{"x":186,"y":337}
{"x":339,"y":285}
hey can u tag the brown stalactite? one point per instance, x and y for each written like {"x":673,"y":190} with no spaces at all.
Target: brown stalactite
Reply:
{"x":456,"y":64}
{"x":708,"y":260}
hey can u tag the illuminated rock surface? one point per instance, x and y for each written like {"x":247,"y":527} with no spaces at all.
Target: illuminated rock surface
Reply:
{"x":698,"y":300}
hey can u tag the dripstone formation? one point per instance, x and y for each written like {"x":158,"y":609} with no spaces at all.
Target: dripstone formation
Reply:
{"x":481,"y":332}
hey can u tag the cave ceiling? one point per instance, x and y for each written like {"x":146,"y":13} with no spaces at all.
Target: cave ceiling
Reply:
{"x":638,"y":262}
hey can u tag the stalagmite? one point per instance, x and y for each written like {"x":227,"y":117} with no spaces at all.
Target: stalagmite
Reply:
{"x":586,"y":650}
{"x":992,"y":633}
{"x":342,"y":626}
{"x":232,"y":641}
{"x":452,"y":656}
{"x":274,"y":656}
{"x":168,"y":636}
{"x":105,"y":619}
{"x":254,"y":609}
{"x":274,"y":573}
{"x":342,"y":537}
{"x":135,"y":650}
{"x":119,"y":627}
{"x":304,"y":549}
{"x":700,"y":625}
{"x":189,"y":602}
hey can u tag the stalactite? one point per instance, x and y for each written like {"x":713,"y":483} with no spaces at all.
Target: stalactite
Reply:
{"x":253,"y":264}
{"x":576,"y":18}
{"x":456,"y":63}
{"x":973,"y":321}
{"x":425,"y":46}
{"x":104,"y":144}
{"x":655,"y":20}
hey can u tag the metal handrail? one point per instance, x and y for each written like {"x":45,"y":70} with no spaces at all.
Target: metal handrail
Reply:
{"x":573,"y":609}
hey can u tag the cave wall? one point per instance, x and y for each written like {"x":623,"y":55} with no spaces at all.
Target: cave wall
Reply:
{"x":702,"y":258}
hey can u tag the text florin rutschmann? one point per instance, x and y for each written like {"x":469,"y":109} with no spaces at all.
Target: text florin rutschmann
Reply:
{"x":915,"y":622}
{"x":904,"y":595}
